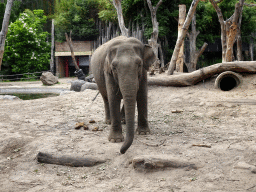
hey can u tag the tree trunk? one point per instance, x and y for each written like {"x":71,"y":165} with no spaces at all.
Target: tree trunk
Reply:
{"x":229,"y":29}
{"x":154,"y":35}
{"x":194,"y":54}
{"x":239,"y":47}
{"x":188,"y":79}
{"x":182,"y":17}
{"x":251,"y":47}
{"x":161,"y":55}
{"x":232,"y":32}
{"x":239,"y":38}
{"x":181,"y":38}
{"x":194,"y":58}
{"x":52,"y":50}
{"x":118,"y":6}
{"x":72,"y":51}
{"x":4,"y":30}
{"x":222,"y":26}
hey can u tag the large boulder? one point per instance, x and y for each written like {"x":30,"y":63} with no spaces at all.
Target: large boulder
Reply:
{"x":48,"y":78}
{"x":76,"y":85}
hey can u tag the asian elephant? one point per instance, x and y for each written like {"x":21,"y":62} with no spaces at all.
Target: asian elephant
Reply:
{"x":119,"y":68}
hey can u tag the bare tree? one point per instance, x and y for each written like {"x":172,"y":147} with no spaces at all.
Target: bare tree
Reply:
{"x":180,"y":40}
{"x":4,"y":30}
{"x":194,"y":54}
{"x":118,"y":6}
{"x":52,"y":49}
{"x":182,"y":17}
{"x":154,"y":35}
{"x":229,"y":29}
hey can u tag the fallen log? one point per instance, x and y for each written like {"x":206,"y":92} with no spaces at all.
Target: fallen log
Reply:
{"x":160,"y":162}
{"x":188,"y":79}
{"x":67,"y":161}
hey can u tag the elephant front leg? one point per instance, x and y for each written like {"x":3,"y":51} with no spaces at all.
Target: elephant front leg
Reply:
{"x":115,"y":134}
{"x":142,"y":105}
{"x":114,"y":99}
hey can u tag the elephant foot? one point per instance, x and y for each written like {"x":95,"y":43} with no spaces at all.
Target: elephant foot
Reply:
{"x":115,"y":137}
{"x":143,"y":131}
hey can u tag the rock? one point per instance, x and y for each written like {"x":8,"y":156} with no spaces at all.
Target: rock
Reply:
{"x":9,"y":97}
{"x":66,"y":92}
{"x":244,"y":165}
{"x":97,"y":129}
{"x":48,"y":78}
{"x":92,"y":121}
{"x":76,"y":85}
{"x":88,"y":85}
{"x":89,"y":78}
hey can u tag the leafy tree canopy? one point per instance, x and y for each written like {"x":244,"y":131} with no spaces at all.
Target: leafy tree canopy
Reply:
{"x":76,"y":16}
{"x":26,"y":48}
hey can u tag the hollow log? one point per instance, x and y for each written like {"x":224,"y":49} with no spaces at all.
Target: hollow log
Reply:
{"x":188,"y":79}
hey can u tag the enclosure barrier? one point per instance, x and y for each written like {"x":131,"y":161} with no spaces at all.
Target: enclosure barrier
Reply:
{"x":20,"y":77}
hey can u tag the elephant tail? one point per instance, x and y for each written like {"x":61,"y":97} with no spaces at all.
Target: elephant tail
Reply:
{"x":128,"y":142}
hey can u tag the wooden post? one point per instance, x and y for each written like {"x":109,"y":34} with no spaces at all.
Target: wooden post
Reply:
{"x":52,"y":49}
{"x":57,"y":74}
{"x":4,"y":30}
{"x":182,"y":17}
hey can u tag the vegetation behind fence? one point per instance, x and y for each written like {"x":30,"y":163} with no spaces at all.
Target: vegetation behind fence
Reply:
{"x":21,"y":77}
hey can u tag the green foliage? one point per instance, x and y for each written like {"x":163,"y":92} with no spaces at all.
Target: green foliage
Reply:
{"x":26,"y":48}
{"x":75,"y":16}
{"x":106,"y":11}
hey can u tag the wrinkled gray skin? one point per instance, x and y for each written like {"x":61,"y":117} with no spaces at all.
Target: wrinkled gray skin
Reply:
{"x":119,"y":68}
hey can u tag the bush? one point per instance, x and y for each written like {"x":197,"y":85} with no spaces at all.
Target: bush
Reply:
{"x":26,"y":48}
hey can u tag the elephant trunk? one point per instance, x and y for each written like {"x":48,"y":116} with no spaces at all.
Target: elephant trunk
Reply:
{"x":129,"y":106}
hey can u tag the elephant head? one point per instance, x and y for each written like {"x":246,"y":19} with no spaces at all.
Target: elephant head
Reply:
{"x":127,"y":60}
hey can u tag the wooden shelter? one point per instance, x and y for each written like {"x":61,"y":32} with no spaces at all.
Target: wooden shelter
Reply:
{"x":64,"y":64}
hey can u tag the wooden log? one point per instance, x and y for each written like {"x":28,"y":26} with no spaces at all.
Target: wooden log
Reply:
{"x":188,"y":79}
{"x":149,"y":163}
{"x":68,"y":161}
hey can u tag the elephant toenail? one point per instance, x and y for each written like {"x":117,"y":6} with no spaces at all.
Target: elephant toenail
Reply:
{"x":112,"y":140}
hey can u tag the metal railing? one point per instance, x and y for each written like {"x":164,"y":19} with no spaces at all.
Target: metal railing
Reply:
{"x":20,"y":77}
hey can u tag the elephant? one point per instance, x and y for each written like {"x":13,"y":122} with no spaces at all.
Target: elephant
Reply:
{"x":120,"y":70}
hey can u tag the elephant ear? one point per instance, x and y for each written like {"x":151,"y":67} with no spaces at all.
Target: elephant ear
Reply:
{"x":109,"y":57}
{"x":149,"y":57}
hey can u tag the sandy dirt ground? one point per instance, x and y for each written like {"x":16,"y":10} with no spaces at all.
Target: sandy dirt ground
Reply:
{"x":199,"y":124}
